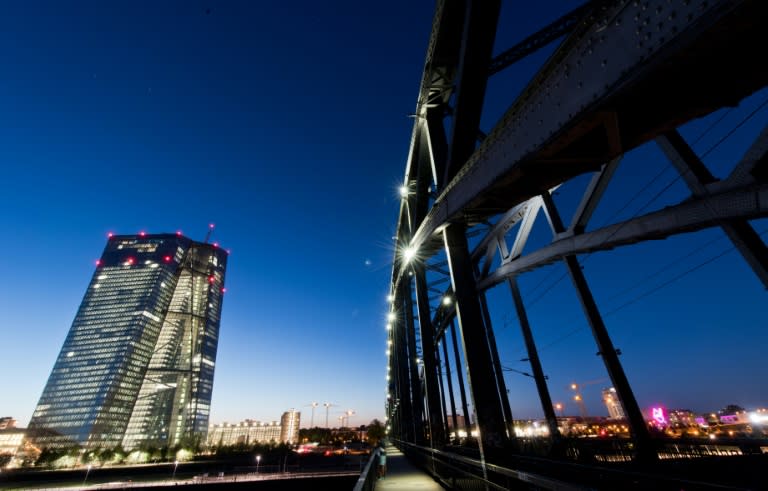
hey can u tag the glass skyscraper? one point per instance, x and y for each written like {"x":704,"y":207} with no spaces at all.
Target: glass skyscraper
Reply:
{"x":136,"y":368}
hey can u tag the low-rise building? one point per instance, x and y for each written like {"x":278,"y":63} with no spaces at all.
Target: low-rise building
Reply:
{"x":250,"y":431}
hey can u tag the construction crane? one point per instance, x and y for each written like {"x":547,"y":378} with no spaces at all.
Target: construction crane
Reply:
{"x":579,"y":398}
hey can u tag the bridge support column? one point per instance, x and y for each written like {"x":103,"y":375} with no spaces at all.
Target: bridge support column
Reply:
{"x":429,"y":355}
{"x":449,"y":378}
{"x":500,"y":384}
{"x":477,"y":355}
{"x":609,"y":354}
{"x":400,"y":351}
{"x":462,"y":391}
{"x":533,"y":357}
{"x":417,"y":399}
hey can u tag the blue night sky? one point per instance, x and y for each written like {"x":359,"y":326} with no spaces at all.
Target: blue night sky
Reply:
{"x":286,"y":124}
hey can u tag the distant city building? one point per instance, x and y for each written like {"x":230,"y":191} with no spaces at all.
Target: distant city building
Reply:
{"x":459,"y":421}
{"x":612,"y":403}
{"x":11,"y":440}
{"x":250,"y":431}
{"x":137,"y":365}
{"x":7,"y":422}
{"x":682,"y":417}
{"x":15,"y":449}
{"x":289,"y":424}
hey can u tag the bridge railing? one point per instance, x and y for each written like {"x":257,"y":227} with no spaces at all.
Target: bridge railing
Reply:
{"x":594,"y":464}
{"x":367,"y":480}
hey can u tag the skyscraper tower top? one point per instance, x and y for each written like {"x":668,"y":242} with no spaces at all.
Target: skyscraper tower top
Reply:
{"x":137,"y":365}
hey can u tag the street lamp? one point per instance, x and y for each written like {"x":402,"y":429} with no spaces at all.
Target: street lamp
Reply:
{"x":312,"y":420}
{"x":327,"y":406}
{"x":258,"y":460}
{"x":88,"y":470}
{"x":175,"y":465}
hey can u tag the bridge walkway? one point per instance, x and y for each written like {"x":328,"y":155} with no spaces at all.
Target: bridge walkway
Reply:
{"x":402,"y":475}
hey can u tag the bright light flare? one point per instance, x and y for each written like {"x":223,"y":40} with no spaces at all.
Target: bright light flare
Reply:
{"x":390,"y":298}
{"x":447,"y":300}
{"x":391,"y":317}
{"x":403,"y":190}
{"x":409,"y":253}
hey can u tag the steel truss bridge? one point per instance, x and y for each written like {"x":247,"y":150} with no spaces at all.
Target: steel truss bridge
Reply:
{"x":626,"y":74}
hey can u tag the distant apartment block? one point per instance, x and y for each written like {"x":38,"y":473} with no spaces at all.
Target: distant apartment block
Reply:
{"x":137,"y":365}
{"x":7,"y":422}
{"x":612,"y":403}
{"x":249,"y":431}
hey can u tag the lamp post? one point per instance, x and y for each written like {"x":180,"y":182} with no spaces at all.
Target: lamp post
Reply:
{"x":312,"y":419}
{"x":258,"y":460}
{"x":175,"y":465}
{"x":87,"y":471}
{"x":327,"y":406}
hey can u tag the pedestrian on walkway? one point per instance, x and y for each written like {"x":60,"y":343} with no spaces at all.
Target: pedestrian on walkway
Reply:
{"x":382,"y":462}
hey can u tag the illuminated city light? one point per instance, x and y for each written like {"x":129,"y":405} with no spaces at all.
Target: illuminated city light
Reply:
{"x":403,"y":191}
{"x":390,"y":298}
{"x":391,"y":316}
{"x":446,"y":300}
{"x":389,"y":327}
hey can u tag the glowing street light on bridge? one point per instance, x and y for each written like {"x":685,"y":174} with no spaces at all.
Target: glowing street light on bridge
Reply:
{"x":409,"y":253}
{"x":403,"y":190}
{"x":447,"y":300}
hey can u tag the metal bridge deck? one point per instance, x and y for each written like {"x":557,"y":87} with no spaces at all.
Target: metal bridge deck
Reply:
{"x":402,"y":475}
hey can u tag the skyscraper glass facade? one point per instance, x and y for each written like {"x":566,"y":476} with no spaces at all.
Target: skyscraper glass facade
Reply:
{"x":137,"y":365}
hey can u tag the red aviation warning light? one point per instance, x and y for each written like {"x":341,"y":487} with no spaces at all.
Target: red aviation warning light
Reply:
{"x":130,"y":261}
{"x":211,"y":279}
{"x":178,"y":232}
{"x":223,"y":290}
{"x":110,"y":235}
{"x":167,"y":259}
{"x":142,"y":233}
{"x":98,"y":262}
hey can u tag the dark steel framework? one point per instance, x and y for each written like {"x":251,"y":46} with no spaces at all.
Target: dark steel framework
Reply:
{"x":627,"y":73}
